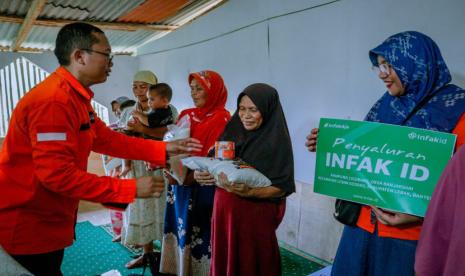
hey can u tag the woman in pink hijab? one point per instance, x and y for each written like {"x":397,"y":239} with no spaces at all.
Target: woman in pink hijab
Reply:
{"x":441,"y":249}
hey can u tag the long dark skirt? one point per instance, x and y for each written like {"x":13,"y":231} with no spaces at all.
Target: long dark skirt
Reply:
{"x":244,"y":236}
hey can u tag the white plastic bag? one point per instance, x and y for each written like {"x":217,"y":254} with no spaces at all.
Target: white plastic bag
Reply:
{"x":180,"y":130}
{"x":237,"y":171}
{"x":112,"y":272}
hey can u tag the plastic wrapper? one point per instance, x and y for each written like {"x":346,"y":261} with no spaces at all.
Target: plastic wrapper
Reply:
{"x":180,"y":130}
{"x":237,"y":170}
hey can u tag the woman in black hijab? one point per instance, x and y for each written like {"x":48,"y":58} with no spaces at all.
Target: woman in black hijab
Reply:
{"x":245,"y":219}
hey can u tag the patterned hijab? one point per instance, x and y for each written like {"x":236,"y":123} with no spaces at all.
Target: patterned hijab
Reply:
{"x":418,"y":62}
{"x":207,"y":122}
{"x":268,"y":148}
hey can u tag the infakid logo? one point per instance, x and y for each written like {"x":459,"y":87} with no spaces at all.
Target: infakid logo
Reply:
{"x":334,"y":125}
{"x":427,"y":138}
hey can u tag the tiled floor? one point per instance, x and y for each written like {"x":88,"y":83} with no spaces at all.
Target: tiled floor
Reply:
{"x":294,"y":262}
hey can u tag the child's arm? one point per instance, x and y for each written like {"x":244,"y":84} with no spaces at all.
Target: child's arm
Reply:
{"x":141,"y":117}
{"x":157,"y":132}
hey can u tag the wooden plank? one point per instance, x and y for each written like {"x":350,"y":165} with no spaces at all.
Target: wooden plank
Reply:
{"x":103,"y":25}
{"x":40,"y":50}
{"x":11,"y":19}
{"x":110,"y":25}
{"x":32,"y":14}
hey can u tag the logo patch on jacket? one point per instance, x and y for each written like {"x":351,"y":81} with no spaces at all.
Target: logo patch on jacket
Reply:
{"x":51,"y":136}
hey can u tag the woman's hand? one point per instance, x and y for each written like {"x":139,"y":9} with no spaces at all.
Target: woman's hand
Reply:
{"x":311,"y":140}
{"x":183,"y":146}
{"x":204,"y":178}
{"x":135,"y":126}
{"x":137,"y":114}
{"x":127,"y":167}
{"x":170,"y":179}
{"x":394,"y":219}
{"x":239,"y":189}
{"x":141,"y":117}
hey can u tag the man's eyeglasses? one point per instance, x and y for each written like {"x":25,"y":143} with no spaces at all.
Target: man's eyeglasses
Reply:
{"x":384,"y":68}
{"x":108,"y":55}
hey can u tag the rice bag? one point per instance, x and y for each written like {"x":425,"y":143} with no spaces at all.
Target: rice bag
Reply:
{"x":237,"y":171}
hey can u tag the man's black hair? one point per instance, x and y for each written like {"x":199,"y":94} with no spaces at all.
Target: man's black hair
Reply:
{"x":163,"y":90}
{"x":74,"y":36}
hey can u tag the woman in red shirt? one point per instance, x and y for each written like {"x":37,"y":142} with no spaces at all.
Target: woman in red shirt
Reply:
{"x":186,"y":246}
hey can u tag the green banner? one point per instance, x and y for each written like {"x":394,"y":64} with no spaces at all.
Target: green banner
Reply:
{"x":388,"y":166}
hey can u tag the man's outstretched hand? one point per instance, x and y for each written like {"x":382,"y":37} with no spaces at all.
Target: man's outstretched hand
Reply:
{"x":183,"y":146}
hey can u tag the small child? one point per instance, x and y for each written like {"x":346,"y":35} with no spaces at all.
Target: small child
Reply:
{"x":117,"y":107}
{"x":159,"y":96}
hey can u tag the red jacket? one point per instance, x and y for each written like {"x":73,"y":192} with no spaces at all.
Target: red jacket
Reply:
{"x":43,"y":165}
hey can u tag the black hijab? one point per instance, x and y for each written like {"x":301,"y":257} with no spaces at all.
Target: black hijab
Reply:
{"x":269,"y":147}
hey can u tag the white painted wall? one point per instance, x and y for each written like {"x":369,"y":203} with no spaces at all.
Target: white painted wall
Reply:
{"x":118,"y":84}
{"x":317,"y":59}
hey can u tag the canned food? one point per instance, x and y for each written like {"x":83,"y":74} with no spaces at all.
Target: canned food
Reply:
{"x":224,"y":150}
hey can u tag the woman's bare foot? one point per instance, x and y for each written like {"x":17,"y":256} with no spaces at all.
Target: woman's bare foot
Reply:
{"x":137,"y":262}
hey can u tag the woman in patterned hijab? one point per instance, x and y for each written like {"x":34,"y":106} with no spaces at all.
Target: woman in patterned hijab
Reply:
{"x":416,"y":60}
{"x":418,"y":95}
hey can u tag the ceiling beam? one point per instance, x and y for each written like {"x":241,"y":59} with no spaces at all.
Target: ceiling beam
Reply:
{"x":103,"y":25}
{"x":110,"y":25}
{"x":32,"y":14}
{"x":39,"y":50}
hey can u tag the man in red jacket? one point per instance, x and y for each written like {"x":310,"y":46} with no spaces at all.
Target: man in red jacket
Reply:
{"x":43,"y":162}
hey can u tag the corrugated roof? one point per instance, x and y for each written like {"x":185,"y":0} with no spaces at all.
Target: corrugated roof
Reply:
{"x":42,"y":36}
{"x":194,"y":7}
{"x":153,"y":11}
{"x":112,"y":12}
{"x":8,"y":33}
{"x":90,"y":10}
{"x":122,"y":42}
{"x":14,"y":7}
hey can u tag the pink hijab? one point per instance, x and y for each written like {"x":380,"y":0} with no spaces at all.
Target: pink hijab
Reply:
{"x":441,"y":248}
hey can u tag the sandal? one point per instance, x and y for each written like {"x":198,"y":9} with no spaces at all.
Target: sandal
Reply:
{"x":152,"y":260}
{"x":116,"y":238}
{"x":136,"y":263}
